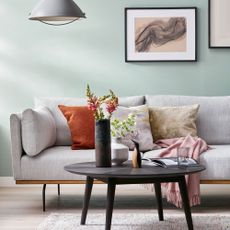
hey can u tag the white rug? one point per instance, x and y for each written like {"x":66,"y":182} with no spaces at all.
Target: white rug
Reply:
{"x":121,"y":221}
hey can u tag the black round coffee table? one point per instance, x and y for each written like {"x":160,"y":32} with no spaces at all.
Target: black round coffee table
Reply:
{"x":125,"y":174}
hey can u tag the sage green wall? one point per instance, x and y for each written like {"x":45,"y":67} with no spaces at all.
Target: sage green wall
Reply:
{"x":40,"y":60}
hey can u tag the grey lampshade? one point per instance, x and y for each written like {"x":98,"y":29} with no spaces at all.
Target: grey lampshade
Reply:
{"x":56,"y":10}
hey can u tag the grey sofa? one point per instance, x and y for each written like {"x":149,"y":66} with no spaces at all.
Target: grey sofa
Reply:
{"x":213,"y":125}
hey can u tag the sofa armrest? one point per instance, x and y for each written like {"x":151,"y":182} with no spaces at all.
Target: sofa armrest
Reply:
{"x":16,"y":144}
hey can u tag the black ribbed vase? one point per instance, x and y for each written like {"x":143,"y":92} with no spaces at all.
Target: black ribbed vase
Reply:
{"x":103,"y":143}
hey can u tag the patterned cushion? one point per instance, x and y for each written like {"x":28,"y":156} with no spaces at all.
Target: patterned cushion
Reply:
{"x":144,"y":135}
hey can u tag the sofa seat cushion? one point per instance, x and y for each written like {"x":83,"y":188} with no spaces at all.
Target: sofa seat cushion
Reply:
{"x":49,"y":164}
{"x":216,"y":161}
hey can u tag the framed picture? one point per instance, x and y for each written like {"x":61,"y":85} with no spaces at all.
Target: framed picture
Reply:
{"x":219,"y":21}
{"x":160,"y":34}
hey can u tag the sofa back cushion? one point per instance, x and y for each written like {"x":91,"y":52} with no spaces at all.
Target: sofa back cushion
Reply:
{"x":63,"y":132}
{"x":213,"y":120}
{"x":38,"y":130}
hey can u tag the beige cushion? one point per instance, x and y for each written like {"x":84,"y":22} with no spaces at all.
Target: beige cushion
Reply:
{"x":171,"y":122}
{"x":38,"y":130}
{"x":144,"y":135}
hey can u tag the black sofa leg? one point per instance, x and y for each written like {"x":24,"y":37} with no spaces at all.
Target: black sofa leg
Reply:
{"x":58,"y":189}
{"x":44,"y":197}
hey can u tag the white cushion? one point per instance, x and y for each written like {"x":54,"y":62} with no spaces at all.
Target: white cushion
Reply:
{"x":63,"y":132}
{"x":213,"y":120}
{"x":215,"y":160}
{"x":38,"y":130}
{"x":144,"y":134}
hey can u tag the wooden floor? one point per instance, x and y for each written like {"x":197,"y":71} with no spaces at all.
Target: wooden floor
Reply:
{"x":21,"y":206}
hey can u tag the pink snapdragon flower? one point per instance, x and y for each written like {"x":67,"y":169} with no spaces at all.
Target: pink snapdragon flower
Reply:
{"x":96,"y":104}
{"x":93,"y":103}
{"x":111,"y":105}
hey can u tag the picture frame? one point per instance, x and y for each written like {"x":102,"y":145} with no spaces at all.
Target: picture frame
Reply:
{"x":219,"y":30}
{"x":160,"y":34}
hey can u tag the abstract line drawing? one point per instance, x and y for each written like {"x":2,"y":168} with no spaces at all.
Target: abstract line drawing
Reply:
{"x":159,"y":32}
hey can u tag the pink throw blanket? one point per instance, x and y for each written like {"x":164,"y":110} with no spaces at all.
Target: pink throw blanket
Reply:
{"x":196,"y":147}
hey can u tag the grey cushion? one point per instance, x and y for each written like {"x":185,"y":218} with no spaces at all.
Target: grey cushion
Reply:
{"x":38,"y":130}
{"x":63,"y":133}
{"x":49,"y":164}
{"x":213,"y":121}
{"x":216,"y":161}
{"x":131,"y":101}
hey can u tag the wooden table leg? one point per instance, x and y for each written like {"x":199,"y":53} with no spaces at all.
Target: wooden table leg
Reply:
{"x":185,"y":199}
{"x":157,"y":186}
{"x":110,"y":201}
{"x":88,"y":190}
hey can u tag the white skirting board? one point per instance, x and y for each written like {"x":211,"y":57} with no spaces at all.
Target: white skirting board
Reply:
{"x":7,"y":182}
{"x":10,"y":182}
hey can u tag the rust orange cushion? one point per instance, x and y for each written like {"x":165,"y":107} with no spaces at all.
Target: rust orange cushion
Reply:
{"x":81,"y":123}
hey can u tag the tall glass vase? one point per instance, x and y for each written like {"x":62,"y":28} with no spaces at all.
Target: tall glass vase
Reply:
{"x":103,"y":143}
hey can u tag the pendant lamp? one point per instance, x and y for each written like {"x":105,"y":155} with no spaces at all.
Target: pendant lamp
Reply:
{"x":56,"y":12}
